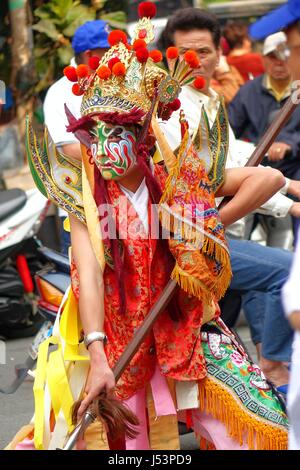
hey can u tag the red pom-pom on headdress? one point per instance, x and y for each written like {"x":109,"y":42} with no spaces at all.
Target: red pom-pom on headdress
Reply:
{"x":191,"y":59}
{"x":156,"y":56}
{"x":119,"y":69}
{"x":104,"y":72}
{"x":194,"y":64}
{"x":112,"y":62}
{"x":77,"y":90}
{"x":172,"y":53}
{"x":138,"y":44}
{"x":94,"y":62}
{"x":199,"y":83}
{"x":146,"y":9}
{"x":82,"y":71}
{"x":117,"y":36}
{"x":142,"y":55}
{"x":70,"y":73}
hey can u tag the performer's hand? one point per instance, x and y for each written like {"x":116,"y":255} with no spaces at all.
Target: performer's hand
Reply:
{"x":278,"y":151}
{"x":294,"y":320}
{"x":294,"y":188}
{"x":100,"y":377}
{"x":295,"y":209}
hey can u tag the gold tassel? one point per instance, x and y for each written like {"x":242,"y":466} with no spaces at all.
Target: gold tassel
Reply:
{"x":203,"y":290}
{"x":222,"y":405}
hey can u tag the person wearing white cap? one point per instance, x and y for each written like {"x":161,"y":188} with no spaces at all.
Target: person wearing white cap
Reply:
{"x":275,"y":43}
{"x":267,"y":94}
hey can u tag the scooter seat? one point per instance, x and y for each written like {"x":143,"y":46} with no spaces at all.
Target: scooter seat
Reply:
{"x":60,"y":260}
{"x":11,"y":201}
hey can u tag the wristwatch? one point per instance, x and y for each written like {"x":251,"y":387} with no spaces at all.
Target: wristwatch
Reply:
{"x":94,"y":336}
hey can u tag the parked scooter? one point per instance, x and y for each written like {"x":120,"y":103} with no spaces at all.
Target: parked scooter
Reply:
{"x":52,"y":281}
{"x":21,"y":215}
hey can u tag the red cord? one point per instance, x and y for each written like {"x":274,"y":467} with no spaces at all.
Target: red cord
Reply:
{"x":24,"y":273}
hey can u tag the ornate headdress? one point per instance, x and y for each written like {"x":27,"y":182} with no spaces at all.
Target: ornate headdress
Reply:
{"x":125,"y":87}
{"x":126,"y":82}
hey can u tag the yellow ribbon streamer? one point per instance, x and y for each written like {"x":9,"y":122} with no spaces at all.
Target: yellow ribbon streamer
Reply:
{"x":39,"y":393}
{"x":61,"y":395}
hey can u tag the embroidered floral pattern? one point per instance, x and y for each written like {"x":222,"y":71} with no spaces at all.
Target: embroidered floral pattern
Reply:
{"x":237,"y":359}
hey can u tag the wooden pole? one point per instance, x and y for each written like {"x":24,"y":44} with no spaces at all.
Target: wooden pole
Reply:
{"x":268,"y":138}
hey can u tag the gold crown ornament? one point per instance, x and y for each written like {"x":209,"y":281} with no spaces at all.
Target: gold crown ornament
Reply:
{"x":122,"y":85}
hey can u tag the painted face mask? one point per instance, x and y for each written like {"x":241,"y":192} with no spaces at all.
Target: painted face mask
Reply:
{"x":114,"y":154}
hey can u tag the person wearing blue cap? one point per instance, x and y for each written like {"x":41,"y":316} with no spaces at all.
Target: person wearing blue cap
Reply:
{"x":277,"y":20}
{"x":287,"y":18}
{"x":90,"y":39}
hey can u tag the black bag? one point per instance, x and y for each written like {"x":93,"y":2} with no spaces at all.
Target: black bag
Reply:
{"x":17,"y":316}
{"x":10,"y":283}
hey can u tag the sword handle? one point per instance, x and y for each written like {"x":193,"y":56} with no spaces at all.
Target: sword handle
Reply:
{"x":88,"y":419}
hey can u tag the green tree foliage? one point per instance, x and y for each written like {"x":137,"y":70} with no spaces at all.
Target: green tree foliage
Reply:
{"x":54,"y":26}
{"x":5,"y":55}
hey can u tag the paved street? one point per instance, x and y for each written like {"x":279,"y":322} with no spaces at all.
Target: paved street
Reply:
{"x":17,"y":409}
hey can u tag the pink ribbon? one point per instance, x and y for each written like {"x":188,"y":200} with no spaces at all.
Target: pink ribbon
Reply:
{"x":137,"y":404}
{"x":162,"y":397}
{"x":163,"y":404}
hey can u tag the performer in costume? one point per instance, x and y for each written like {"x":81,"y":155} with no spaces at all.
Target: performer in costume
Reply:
{"x":190,"y":366}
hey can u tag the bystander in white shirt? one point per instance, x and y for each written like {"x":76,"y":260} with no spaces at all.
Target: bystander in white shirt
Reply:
{"x":55,"y":117}
{"x":54,"y":111}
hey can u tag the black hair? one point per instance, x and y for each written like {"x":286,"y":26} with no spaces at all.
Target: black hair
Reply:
{"x":187,"y":19}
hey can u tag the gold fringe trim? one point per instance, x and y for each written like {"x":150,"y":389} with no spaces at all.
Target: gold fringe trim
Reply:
{"x":222,"y":405}
{"x":204,"y":285}
{"x":190,"y":284}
